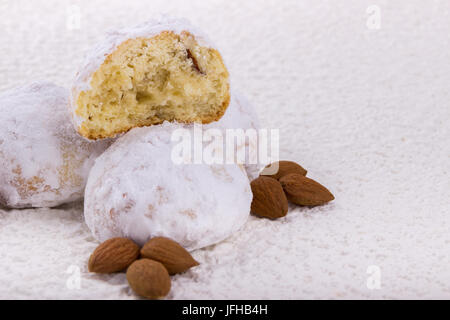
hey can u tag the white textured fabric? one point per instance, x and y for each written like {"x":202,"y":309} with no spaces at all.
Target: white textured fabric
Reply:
{"x":365,"y":111}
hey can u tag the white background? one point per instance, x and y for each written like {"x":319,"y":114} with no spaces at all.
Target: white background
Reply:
{"x":366,"y":111}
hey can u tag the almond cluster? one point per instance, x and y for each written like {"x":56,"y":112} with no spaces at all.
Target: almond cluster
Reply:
{"x":285,"y":181}
{"x":148,"y":268}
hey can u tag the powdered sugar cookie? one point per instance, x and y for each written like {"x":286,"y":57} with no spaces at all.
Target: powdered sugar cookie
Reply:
{"x":241,"y":114}
{"x":136,"y":190}
{"x":157,"y":71}
{"x":44,"y":162}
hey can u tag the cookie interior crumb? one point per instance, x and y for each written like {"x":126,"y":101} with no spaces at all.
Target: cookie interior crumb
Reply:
{"x":146,"y":81}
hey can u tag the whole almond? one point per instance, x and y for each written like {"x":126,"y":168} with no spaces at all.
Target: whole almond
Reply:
{"x":305,"y":191}
{"x":284,"y":168}
{"x":269,"y":200}
{"x":149,"y":279}
{"x":173,"y":256}
{"x":113,"y":255}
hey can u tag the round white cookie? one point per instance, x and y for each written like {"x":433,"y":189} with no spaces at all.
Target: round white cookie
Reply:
{"x":137,"y":190}
{"x":241,"y":114}
{"x":44,"y":162}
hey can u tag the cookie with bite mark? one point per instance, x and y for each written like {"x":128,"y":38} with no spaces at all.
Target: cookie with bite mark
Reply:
{"x":159,"y":71}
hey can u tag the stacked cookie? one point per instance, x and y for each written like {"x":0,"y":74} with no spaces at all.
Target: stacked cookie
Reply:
{"x":135,"y":89}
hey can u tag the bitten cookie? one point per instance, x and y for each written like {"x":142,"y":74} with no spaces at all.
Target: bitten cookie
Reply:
{"x":136,"y":190}
{"x":44,"y":162}
{"x":157,"y":71}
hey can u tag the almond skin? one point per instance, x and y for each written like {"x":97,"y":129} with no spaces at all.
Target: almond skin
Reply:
{"x":269,"y":200}
{"x":113,"y":255}
{"x":149,"y":279}
{"x":284,"y":168}
{"x":305,"y":191}
{"x":173,"y":256}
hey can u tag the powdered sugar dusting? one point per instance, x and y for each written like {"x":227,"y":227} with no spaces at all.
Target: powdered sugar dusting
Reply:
{"x":136,"y":190}
{"x":241,"y":114}
{"x":44,"y":162}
